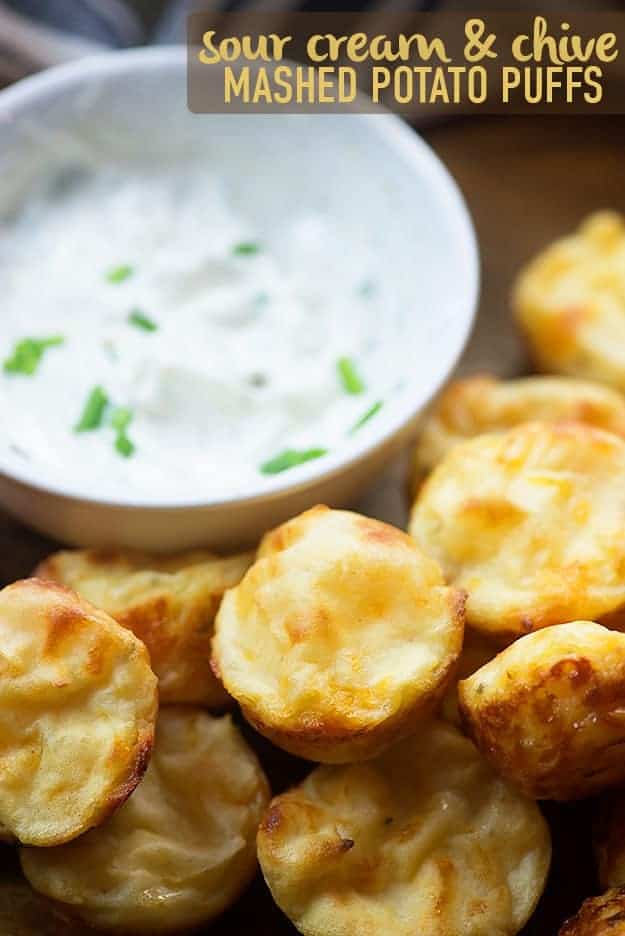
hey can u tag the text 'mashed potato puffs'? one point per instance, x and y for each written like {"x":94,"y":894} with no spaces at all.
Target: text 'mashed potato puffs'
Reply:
{"x":529,"y":523}
{"x":570,"y":302}
{"x":340,"y":637}
{"x":77,"y":710}
{"x":168,"y":602}
{"x":180,"y":850}
{"x":599,"y":916}
{"x":549,"y":711}
{"x":610,"y":839}
{"x":425,"y":839}
{"x":483,"y":403}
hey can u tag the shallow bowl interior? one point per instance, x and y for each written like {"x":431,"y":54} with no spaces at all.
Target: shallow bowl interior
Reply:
{"x":371,"y":172}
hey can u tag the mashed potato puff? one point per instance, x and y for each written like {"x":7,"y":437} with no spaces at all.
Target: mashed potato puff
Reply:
{"x":529,"y":522}
{"x":424,"y":840}
{"x":180,"y":850}
{"x":340,"y":637}
{"x":599,"y":916}
{"x":476,"y":405}
{"x":77,"y":709}
{"x":549,"y":711}
{"x":25,"y":913}
{"x":168,"y":602}
{"x":476,"y":651}
{"x":609,"y":839}
{"x":569,"y":302}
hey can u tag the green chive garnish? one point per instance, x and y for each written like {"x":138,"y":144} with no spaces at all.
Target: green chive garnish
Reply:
{"x":290,"y":458}
{"x":124,"y":446}
{"x":350,"y":378}
{"x":27,"y":354}
{"x":119,"y":274}
{"x":139,"y":320}
{"x":367,"y":415}
{"x":93,"y":411}
{"x":120,"y":420}
{"x":245,"y":249}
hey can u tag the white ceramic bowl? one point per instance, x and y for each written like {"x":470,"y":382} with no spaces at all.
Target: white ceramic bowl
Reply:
{"x":366,"y":169}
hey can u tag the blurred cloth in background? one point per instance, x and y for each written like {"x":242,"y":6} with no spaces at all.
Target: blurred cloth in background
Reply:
{"x":37,"y":33}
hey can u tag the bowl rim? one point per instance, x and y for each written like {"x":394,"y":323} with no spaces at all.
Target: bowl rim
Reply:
{"x":391,"y":421}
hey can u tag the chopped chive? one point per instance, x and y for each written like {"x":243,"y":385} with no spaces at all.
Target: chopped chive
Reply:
{"x":93,"y":411}
{"x":27,"y":354}
{"x":120,"y":273}
{"x":139,"y":320}
{"x":350,"y":378}
{"x":124,"y":446}
{"x":93,"y":416}
{"x":121,"y":418}
{"x":245,"y":249}
{"x":290,"y":458}
{"x":367,"y":415}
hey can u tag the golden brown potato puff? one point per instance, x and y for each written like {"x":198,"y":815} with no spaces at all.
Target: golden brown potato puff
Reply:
{"x":599,"y":916}
{"x":548,"y":711}
{"x":77,"y":709}
{"x":529,"y":523}
{"x":570,"y":302}
{"x":476,"y":405}
{"x":340,"y":638}
{"x":170,"y":603}
{"x":425,"y":839}
{"x":180,"y":850}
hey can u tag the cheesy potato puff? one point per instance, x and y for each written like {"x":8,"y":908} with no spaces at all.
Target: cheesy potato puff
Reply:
{"x":168,"y":602}
{"x":340,"y":637}
{"x":548,"y":711}
{"x":25,"y":913}
{"x":424,"y":840}
{"x":609,"y":839}
{"x":77,"y":709}
{"x":599,"y":916}
{"x":180,"y":850}
{"x":476,"y":651}
{"x":476,"y":405}
{"x":529,"y":522}
{"x":570,"y":302}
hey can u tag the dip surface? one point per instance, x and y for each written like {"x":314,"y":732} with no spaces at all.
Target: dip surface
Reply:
{"x":219,"y":344}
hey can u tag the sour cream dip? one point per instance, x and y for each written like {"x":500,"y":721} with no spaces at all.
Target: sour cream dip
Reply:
{"x":153,"y":342}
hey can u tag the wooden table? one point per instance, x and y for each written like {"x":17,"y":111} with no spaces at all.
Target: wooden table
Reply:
{"x":527,"y":180}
